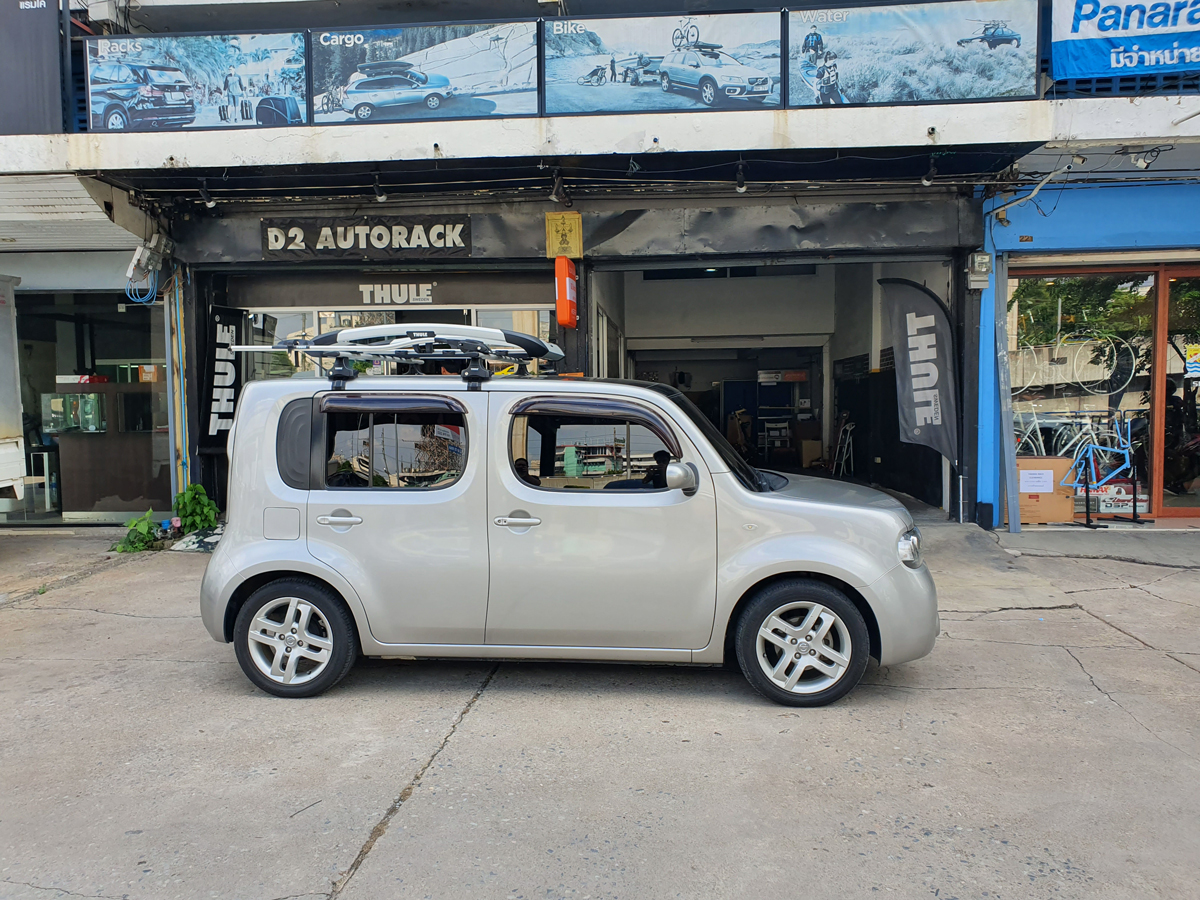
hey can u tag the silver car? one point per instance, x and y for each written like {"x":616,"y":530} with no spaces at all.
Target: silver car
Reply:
{"x":399,"y":84}
{"x":537,"y":517}
{"x":713,"y":75}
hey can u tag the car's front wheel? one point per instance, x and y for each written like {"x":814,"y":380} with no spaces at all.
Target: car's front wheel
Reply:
{"x":364,"y":111}
{"x":708,"y":92}
{"x":802,"y":642}
{"x":433,"y":101}
{"x":295,"y":638}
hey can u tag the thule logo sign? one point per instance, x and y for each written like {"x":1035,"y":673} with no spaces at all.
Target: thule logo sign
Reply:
{"x":368,"y":237}
{"x":923,"y":370}
{"x":222,"y":377}
{"x":224,"y":397}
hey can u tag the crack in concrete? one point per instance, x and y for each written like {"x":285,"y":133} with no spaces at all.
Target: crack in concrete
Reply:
{"x":39,"y":887}
{"x":102,"y":612}
{"x":976,"y":614}
{"x":68,"y":580}
{"x":108,"y":659}
{"x":381,"y":826}
{"x":950,"y":637}
{"x":1128,"y":634}
{"x":1054,"y":554}
{"x":1121,"y":707}
{"x":1183,"y":662}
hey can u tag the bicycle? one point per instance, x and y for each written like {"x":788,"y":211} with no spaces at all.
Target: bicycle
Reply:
{"x":687,"y":34}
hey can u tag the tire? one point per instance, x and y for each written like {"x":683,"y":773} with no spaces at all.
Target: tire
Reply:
{"x":829,"y":672}
{"x":693,"y":34}
{"x":289,"y":666}
{"x":433,"y":101}
{"x":677,"y":38}
{"x":363,"y":112}
{"x":116,"y":120}
{"x":664,"y":82}
{"x":708,"y":92}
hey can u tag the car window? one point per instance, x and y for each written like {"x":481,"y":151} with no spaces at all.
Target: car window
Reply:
{"x":165,"y":76}
{"x":102,"y":74}
{"x":691,"y":59}
{"x":591,"y":453}
{"x":123,"y":74}
{"x":394,"y":449}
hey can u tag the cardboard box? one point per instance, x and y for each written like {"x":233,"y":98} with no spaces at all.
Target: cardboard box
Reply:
{"x":810,"y":452}
{"x":1043,"y":499}
{"x":1115,"y":498}
{"x":148,"y":373}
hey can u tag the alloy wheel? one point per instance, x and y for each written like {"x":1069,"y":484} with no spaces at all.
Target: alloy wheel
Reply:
{"x":803,"y":647}
{"x":708,"y":93}
{"x":116,"y":121}
{"x":290,"y":640}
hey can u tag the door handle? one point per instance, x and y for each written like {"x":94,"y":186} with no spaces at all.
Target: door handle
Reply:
{"x":516,"y":522}
{"x":339,"y":520}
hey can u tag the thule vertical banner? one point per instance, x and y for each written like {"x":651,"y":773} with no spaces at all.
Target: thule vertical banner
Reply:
{"x":926,"y":388}
{"x":222,"y":377}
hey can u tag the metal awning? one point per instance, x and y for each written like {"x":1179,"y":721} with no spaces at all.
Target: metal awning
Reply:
{"x":55,"y":212}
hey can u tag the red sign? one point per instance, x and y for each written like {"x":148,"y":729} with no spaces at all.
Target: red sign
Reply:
{"x":565,"y":282}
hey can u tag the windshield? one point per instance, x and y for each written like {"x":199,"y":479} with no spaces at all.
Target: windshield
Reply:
{"x":745,"y":473}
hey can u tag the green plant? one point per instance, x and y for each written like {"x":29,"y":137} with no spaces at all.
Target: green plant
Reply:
{"x":42,"y":589}
{"x":195,"y":509}
{"x":143,"y":531}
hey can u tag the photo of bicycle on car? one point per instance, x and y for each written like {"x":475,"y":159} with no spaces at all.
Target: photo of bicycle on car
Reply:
{"x":695,"y":62}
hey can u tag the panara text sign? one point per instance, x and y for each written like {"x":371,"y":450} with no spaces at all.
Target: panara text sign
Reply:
{"x":366,"y":237}
{"x":1105,"y":39}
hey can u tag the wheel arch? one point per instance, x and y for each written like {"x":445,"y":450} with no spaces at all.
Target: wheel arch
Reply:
{"x":852,"y":593}
{"x":117,"y":106}
{"x":243,"y":591}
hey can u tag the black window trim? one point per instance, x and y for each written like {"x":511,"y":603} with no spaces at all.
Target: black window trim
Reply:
{"x":370,"y":404}
{"x":588,"y":406}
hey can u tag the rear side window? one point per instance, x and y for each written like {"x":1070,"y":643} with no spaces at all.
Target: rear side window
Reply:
{"x":588,"y":453}
{"x":394,"y":450}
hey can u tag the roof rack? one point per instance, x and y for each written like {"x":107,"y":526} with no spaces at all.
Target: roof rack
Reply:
{"x":417,"y":344}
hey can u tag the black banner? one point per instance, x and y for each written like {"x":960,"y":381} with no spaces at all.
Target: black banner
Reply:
{"x":923,"y":344}
{"x":222,"y":376}
{"x":30,"y":70}
{"x":366,"y":237}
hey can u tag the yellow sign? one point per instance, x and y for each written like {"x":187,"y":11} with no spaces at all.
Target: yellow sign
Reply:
{"x":564,"y":235}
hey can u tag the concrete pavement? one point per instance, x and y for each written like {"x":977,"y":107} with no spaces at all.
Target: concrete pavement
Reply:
{"x":1048,"y":747}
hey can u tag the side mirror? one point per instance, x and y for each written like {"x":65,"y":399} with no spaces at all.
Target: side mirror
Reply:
{"x":682,"y":477}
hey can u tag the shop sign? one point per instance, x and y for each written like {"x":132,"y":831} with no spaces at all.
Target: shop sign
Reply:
{"x":424,"y":72}
{"x":222,"y":376}
{"x":366,"y":237}
{"x":1102,"y":39}
{"x":926,"y":390}
{"x":913,"y":53}
{"x":162,"y":82}
{"x":1191,"y":361}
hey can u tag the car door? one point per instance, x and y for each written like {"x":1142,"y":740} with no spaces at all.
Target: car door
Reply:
{"x":399,"y":509}
{"x":588,"y":547}
{"x":690,"y":70}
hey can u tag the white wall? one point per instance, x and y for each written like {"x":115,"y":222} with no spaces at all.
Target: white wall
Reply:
{"x":83,"y":271}
{"x":719,"y":307}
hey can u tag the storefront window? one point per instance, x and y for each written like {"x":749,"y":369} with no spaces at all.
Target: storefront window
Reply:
{"x":270,"y":328}
{"x":1181,"y":434}
{"x":537,"y":322}
{"x":94,"y":408}
{"x":1079,"y":359}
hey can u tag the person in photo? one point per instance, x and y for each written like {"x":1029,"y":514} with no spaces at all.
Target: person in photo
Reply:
{"x":612,"y":69}
{"x":235,"y":89}
{"x":814,"y":45}
{"x":829,"y":91}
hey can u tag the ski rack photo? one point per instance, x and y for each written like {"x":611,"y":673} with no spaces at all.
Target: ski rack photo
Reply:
{"x":415,"y":345}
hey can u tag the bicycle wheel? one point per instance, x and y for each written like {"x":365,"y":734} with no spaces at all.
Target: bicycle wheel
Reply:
{"x":693,"y":34}
{"x":1092,"y":362}
{"x":1023,"y":368}
{"x":677,"y":38}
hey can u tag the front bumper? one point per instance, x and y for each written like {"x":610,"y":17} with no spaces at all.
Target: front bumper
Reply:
{"x":904,"y":601}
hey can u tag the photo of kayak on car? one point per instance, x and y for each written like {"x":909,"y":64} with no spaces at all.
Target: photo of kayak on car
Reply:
{"x":695,"y":62}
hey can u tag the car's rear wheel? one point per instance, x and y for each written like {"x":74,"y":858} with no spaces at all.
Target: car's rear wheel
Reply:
{"x":364,"y":111}
{"x":295,"y":638}
{"x":433,"y":101}
{"x":116,"y":120}
{"x":708,"y":92}
{"x":664,"y":82}
{"x":802,"y":642}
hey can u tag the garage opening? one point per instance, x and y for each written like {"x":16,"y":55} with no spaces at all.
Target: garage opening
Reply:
{"x":793,"y":363}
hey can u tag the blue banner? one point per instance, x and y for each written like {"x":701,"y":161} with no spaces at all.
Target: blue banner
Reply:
{"x":1095,"y":39}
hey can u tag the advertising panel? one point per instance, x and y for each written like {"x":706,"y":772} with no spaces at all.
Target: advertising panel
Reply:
{"x":1095,"y":39}
{"x":425,"y":72}
{"x":31,"y":102}
{"x":159,"y":82}
{"x":928,"y":53}
{"x":651,"y":64}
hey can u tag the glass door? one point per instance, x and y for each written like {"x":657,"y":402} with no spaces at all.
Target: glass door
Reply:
{"x":1181,"y":424}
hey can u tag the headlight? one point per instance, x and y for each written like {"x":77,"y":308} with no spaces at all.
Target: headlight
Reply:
{"x":909,"y":548}
{"x":732,"y":79}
